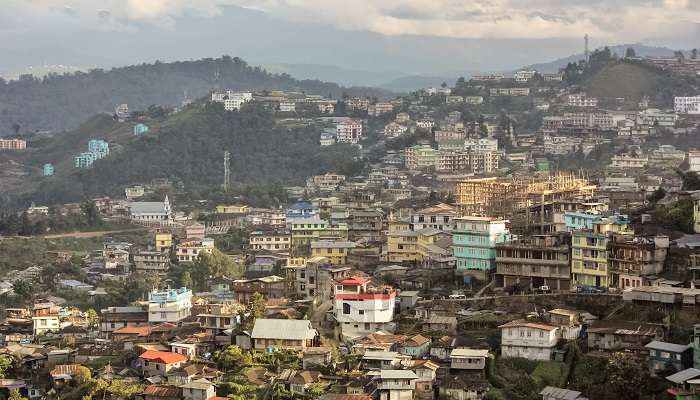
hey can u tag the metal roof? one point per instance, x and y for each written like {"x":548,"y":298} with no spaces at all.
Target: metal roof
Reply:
{"x":289,"y":329}
{"x":670,"y":347}
{"x":560,"y":394}
{"x":397,"y":374}
{"x":683,"y":376}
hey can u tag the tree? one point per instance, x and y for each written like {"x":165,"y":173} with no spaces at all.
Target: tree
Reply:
{"x":92,"y":318}
{"x":232,"y":358}
{"x":443,"y":85}
{"x":255,"y":309}
{"x":16,"y":395}
{"x":5,"y":364}
{"x":82,"y":375}
{"x":626,"y":376}
{"x":186,"y":279}
{"x":91,"y":213}
{"x":694,"y":54}
{"x":657,"y":195}
{"x":26,"y":228}
{"x":630,"y":53}
{"x":23,"y":289}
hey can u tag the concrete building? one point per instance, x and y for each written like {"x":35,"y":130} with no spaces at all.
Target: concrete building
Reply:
{"x":151,"y":262}
{"x":468,"y":359}
{"x":401,"y":243}
{"x":663,"y":355}
{"x":633,"y":260}
{"x":84,"y":160}
{"x":188,"y":250}
{"x":474,"y":245}
{"x":150,"y":211}
{"x":532,"y":262}
{"x":47,"y":169}
{"x":169,"y":305}
{"x":287,"y":106}
{"x":693,"y":158}
{"x":686,"y":105}
{"x":420,"y":156}
{"x":348,"y":131}
{"x":440,"y":216}
{"x":531,"y":340}
{"x":230,"y":99}
{"x":524,"y":76}
{"x":13,"y":144}
{"x":283,"y":334}
{"x":140,"y":129}
{"x":589,"y":251}
{"x":581,"y":100}
{"x":395,"y":384}
{"x":336,"y":251}
{"x":45,"y":318}
{"x":361,"y":309}
{"x":271,"y":240}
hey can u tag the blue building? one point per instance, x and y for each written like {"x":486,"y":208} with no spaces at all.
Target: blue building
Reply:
{"x":99,"y":147}
{"x":140,"y":129}
{"x":301,"y":210}
{"x":474,"y":245}
{"x":576,"y":221}
{"x":663,"y":355}
{"x":84,"y":160}
{"x":47,"y":169}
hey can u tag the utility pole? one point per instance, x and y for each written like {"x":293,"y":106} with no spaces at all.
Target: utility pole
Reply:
{"x":227,"y":170}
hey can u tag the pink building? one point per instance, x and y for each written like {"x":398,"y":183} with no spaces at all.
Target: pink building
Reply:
{"x":13,"y":144}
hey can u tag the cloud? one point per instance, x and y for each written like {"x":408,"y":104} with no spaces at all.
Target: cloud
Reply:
{"x":619,"y":20}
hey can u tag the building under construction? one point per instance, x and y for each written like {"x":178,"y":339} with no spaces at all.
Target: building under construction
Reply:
{"x":528,"y":202}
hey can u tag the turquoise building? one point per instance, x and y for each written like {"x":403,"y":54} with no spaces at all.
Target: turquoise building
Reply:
{"x":84,"y":160}
{"x":576,"y":221}
{"x":140,"y":129}
{"x":47,"y":169}
{"x":474,"y":245}
{"x":99,"y":147}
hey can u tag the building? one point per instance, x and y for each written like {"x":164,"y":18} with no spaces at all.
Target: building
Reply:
{"x":189,"y":249}
{"x":380,"y":108}
{"x":365,"y":225}
{"x":13,"y":144}
{"x":84,"y":160}
{"x":99,"y":147}
{"x":628,"y":161}
{"x":635,"y":260}
{"x":140,"y":129}
{"x":686,"y":105}
{"x":440,"y":216}
{"x":515,"y":91}
{"x":616,"y":335}
{"x":581,"y":100}
{"x":394,"y":129}
{"x":312,"y":278}
{"x":283,"y":334}
{"x":45,"y":318}
{"x":524,"y":76}
{"x":555,"y":393}
{"x":421,"y":156}
{"x":589,"y":251}
{"x":357,"y":103}
{"x":301,"y":210}
{"x":113,"y":318}
{"x":693,"y":158}
{"x":169,"y":305}
{"x":160,"y":363}
{"x":348,"y":131}
{"x":361,"y":309}
{"x":122,"y":112}
{"x":336,"y":251}
{"x":401,"y":243}
{"x":151,"y":262}
{"x":230,"y":99}
{"x":287,"y":106}
{"x":468,"y":359}
{"x":533,"y":262}
{"x":47,"y":169}
{"x":396,"y":384}
{"x":271,"y":240}
{"x":163,"y":241}
{"x":474,"y":245}
{"x":664,"y":356}
{"x":151,"y":211}
{"x":531,"y":340}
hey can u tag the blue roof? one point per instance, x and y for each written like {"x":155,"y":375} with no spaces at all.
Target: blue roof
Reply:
{"x":300,"y":205}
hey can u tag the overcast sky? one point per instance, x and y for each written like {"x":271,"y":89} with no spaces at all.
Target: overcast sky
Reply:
{"x":70,"y":24}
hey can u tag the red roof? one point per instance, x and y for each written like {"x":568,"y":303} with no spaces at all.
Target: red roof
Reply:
{"x":355,"y":280}
{"x":163,"y":357}
{"x":143,"y":330}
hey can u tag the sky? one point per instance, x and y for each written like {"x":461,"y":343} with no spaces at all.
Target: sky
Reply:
{"x":381,"y":33}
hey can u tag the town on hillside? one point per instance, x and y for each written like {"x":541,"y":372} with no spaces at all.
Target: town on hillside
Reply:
{"x":511,"y":236}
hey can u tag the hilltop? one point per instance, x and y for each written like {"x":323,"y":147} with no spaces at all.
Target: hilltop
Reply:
{"x":186,"y":147}
{"x":59,"y":102}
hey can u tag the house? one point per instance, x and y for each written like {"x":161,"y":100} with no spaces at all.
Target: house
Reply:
{"x":415,"y":346}
{"x":663,"y":355}
{"x":531,"y":340}
{"x":61,"y":374}
{"x":555,"y":393}
{"x":463,"y":386}
{"x":407,"y":298}
{"x":113,"y":318}
{"x":280,"y":333}
{"x":159,"y":363}
{"x":442,"y":348}
{"x":568,"y":322}
{"x":348,"y":131}
{"x":155,"y":392}
{"x":188,"y":350}
{"x":684,"y":380}
{"x":335,"y":250}
{"x":622,"y":335}
{"x":189,"y":249}
{"x":169,"y":305}
{"x":361,"y":309}
{"x":316,"y":356}
{"x":440,"y":323}
{"x":395,"y":384}
{"x":378,"y":342}
{"x":381,"y":360}
{"x":468,"y":359}
{"x":426,"y":371}
{"x":303,"y":380}
{"x":45,"y":318}
{"x":474,"y":245}
{"x":200,"y":389}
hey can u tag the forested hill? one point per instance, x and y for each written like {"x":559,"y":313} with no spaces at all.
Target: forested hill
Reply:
{"x":59,"y":102}
{"x":187,"y":147}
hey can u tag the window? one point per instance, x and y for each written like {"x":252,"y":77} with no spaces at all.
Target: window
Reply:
{"x":163,"y":315}
{"x":346,"y":308}
{"x":541,"y":334}
{"x":361,"y":312}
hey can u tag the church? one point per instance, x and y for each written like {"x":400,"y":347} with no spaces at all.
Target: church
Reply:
{"x":151,"y":211}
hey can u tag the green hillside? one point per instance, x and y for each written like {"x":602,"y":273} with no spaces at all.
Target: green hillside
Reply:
{"x":623,"y":80}
{"x":185,"y":147}
{"x":58,"y":102}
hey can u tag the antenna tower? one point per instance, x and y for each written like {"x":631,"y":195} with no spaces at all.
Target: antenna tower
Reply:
{"x":586,"y":53}
{"x":227,"y":170}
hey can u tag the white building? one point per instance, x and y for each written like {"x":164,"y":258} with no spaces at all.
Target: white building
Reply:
{"x":524,"y":76}
{"x":45,"y":318}
{"x":581,"y":100}
{"x":531,"y":340}
{"x":189,"y":250}
{"x":687,"y":105}
{"x":170,"y":305}
{"x":288,"y":106}
{"x":348,"y":131}
{"x":393,"y":129}
{"x":628,"y":161}
{"x":694,"y":161}
{"x":474,"y":100}
{"x":378,"y":109}
{"x":150,"y":211}
{"x":396,"y":384}
{"x":509,"y":91}
{"x":231,"y":100}
{"x":360,"y":309}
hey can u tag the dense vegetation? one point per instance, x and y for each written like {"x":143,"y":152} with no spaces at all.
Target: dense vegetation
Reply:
{"x":58,"y":102}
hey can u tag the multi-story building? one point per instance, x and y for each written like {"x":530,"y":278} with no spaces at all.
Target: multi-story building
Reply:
{"x":328,"y":182}
{"x":47,"y":169}
{"x":655,"y":117}
{"x":312,"y":278}
{"x":150,"y":211}
{"x":401,"y":242}
{"x":474,"y":245}
{"x":336,"y":251}
{"x":421,"y":156}
{"x":151,"y":262}
{"x":524,"y":76}
{"x":357,"y":103}
{"x":288,"y":106}
{"x":530,"y":340}
{"x":113,"y":318}
{"x":433,"y":246}
{"x":303,"y":232}
{"x":365,"y":225}
{"x":189,"y":250}
{"x":474,"y":100}
{"x":488,"y":77}
{"x":361,"y":309}
{"x":533,"y":262}
{"x":231,"y":100}
{"x":163,"y":241}
{"x":45,"y":318}
{"x":553,"y":77}
{"x":394,"y":129}
{"x":440,"y":216}
{"x":581,"y":100}
{"x":633,"y":259}
{"x":396,"y":384}
{"x":589,"y":251}
{"x":686,"y":105}
{"x":380,"y":108}
{"x":169,"y":305}
{"x":271,"y":240}
{"x":99,"y":147}
{"x":628,"y":161}
{"x":509,"y":91}
{"x":348,"y":131}
{"x":13,"y":144}
{"x":84,"y":160}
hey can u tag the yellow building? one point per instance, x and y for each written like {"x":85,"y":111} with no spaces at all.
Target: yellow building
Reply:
{"x":401,"y":242}
{"x":164,"y":241}
{"x":589,"y":251}
{"x":223,"y":209}
{"x":433,"y":244}
{"x":306,"y":231}
{"x":336,"y":251}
